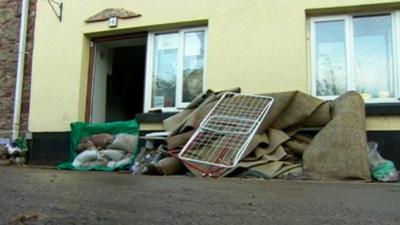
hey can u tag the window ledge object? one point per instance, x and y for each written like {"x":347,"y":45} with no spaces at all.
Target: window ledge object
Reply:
{"x":153,"y":117}
{"x":373,"y":109}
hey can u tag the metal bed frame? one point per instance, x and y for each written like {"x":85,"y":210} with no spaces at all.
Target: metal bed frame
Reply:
{"x":227,"y":130}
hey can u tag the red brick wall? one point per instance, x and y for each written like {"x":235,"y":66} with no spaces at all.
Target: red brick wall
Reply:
{"x":10,"y":15}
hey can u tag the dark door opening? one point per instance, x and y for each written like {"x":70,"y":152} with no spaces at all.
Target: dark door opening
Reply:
{"x":125,"y":87}
{"x":118,"y":77}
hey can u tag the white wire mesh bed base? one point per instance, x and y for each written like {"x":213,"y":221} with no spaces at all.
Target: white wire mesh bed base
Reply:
{"x":227,"y":130}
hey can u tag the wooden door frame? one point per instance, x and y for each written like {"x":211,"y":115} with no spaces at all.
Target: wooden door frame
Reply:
{"x":92,"y":50}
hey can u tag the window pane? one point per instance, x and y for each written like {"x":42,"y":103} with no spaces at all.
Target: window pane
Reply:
{"x":193,"y":65}
{"x":373,"y":63}
{"x":165,"y":67}
{"x":330,"y":58}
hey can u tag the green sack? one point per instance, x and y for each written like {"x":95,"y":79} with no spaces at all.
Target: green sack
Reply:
{"x":381,"y":169}
{"x":385,"y":171}
{"x":81,"y":130}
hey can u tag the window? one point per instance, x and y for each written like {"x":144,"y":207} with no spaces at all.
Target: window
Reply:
{"x":175,"y":71}
{"x":356,"y":52}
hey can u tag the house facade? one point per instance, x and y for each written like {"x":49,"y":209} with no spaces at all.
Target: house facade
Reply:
{"x":102,"y":61}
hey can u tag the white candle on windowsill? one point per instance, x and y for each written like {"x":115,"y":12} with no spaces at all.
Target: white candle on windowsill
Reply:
{"x":384,"y":94}
{"x":366,"y":96}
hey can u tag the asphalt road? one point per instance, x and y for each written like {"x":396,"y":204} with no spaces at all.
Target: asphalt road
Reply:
{"x":66,"y":197}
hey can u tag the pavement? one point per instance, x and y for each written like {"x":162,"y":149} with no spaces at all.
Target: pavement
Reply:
{"x":48,"y":196}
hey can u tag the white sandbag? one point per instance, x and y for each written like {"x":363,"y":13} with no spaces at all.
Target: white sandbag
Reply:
{"x":126,"y":142}
{"x":112,"y":154}
{"x":85,"y":156}
{"x":124,"y":162}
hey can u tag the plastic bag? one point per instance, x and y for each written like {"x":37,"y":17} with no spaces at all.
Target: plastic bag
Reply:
{"x":135,"y":168}
{"x":381,"y":169}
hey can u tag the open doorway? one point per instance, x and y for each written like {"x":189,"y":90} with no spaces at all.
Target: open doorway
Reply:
{"x":117,"y":79}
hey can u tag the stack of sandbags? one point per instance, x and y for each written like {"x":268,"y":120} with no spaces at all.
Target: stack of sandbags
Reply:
{"x":105,"y":150}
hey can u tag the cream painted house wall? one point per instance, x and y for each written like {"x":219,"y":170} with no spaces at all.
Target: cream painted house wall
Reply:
{"x":259,"y":45}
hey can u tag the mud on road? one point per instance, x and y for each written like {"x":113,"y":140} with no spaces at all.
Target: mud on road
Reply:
{"x":68,"y":197}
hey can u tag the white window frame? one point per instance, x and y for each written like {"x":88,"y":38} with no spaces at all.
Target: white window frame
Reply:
{"x":179,"y":105}
{"x":349,"y":50}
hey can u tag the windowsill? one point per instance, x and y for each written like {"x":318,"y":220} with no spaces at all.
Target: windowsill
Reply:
{"x":153,"y":117}
{"x":372,"y":109}
{"x":389,"y":108}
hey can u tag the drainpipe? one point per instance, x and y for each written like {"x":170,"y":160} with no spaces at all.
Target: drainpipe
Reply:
{"x":20,"y":68}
